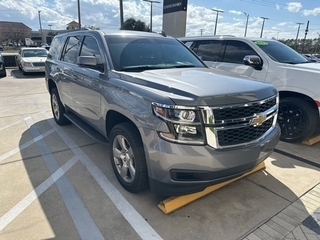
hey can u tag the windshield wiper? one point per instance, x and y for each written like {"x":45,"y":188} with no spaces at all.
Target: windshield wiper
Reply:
{"x":142,"y":68}
{"x":182,"y":65}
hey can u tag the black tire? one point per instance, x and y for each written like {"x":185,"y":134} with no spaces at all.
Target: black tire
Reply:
{"x":125,"y":142}
{"x":297,"y":118}
{"x":58,"y":109}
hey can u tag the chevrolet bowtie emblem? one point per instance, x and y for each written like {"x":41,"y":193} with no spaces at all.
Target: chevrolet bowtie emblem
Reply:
{"x":258,"y":120}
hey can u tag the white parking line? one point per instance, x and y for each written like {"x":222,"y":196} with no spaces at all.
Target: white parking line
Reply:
{"x":27,"y":200}
{"x":25,"y":145}
{"x":85,"y":225}
{"x":139,"y":224}
{"x":9,"y":109}
{"x":10,"y":125}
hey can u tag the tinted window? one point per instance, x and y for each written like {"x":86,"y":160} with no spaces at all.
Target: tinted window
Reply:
{"x":134,"y":52}
{"x":90,"y":47}
{"x":209,"y":50}
{"x":188,"y":44}
{"x":55,"y":47}
{"x":236,"y":51}
{"x":280,"y":52}
{"x":70,"y":52}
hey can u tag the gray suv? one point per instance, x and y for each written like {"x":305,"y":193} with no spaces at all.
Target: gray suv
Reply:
{"x":169,"y":121}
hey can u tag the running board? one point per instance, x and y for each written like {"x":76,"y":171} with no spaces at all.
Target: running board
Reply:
{"x":86,"y":128}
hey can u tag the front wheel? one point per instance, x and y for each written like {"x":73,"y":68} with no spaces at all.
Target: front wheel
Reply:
{"x":297,"y":118}
{"x":128,"y":158}
{"x":57,"y":108}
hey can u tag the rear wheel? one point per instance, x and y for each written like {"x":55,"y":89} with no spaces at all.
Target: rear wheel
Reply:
{"x":128,"y":158}
{"x":58,"y":109}
{"x":297,"y":118}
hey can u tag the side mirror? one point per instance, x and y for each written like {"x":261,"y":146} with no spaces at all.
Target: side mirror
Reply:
{"x":86,"y":61}
{"x":89,"y":62}
{"x":253,"y":60}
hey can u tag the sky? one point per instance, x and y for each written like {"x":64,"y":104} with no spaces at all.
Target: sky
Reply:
{"x":282,"y":15}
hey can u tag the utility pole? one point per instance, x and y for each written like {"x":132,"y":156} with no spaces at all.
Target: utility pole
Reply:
{"x":79,"y":18}
{"x":245,"y":30}
{"x":40,"y":25}
{"x":215,"y":27}
{"x":151,"y":2}
{"x":201,"y":30}
{"x":264,"y":18}
{"x":295,"y":42}
{"x":305,"y":36}
{"x":121,"y":13}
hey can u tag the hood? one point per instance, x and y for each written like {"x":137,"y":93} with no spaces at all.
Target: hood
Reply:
{"x":306,"y":66}
{"x":35,"y":59}
{"x":200,"y":86}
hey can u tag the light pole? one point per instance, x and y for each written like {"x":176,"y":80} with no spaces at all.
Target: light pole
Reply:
{"x":121,"y":12}
{"x":50,"y":26}
{"x":245,"y":30}
{"x":201,"y":31}
{"x":79,"y":17}
{"x":264,"y":18}
{"x":151,"y":2}
{"x":215,"y":27}
{"x":295,"y":42}
{"x":40,"y":25}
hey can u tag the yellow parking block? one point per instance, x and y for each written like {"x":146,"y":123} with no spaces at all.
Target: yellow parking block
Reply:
{"x":173,"y":203}
{"x":312,"y":141}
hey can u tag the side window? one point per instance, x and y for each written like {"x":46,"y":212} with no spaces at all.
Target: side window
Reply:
{"x":209,"y":50}
{"x":90,"y":47}
{"x":70,"y":52}
{"x":55,"y":47}
{"x":236,"y":51}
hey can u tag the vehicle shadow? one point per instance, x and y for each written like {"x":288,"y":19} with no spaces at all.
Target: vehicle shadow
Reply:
{"x":16,"y":73}
{"x":229,"y":200}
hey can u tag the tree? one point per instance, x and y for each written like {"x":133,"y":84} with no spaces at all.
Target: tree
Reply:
{"x":136,"y":25}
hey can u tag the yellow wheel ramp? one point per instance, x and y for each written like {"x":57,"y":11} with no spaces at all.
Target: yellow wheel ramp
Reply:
{"x":173,"y":203}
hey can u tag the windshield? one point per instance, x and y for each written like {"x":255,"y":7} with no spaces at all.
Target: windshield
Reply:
{"x":280,"y":52}
{"x":34,"y":53}
{"x":145,"y":53}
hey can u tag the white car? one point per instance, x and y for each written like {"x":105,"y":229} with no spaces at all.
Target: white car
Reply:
{"x":270,"y":61}
{"x":31,"y":60}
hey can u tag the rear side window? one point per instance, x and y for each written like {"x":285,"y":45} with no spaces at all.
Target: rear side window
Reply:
{"x":236,"y":51}
{"x":209,"y":50}
{"x":90,"y":47}
{"x":55,"y":48}
{"x":70,"y":52}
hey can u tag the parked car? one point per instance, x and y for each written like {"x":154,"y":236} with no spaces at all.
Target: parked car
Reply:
{"x":171,"y":122}
{"x":46,"y":46}
{"x":1,"y":48}
{"x":311,"y":58}
{"x":30,"y":60}
{"x":3,"y":72}
{"x":271,"y":61}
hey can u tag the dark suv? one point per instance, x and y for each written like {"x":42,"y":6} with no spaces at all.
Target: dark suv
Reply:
{"x":170,"y":122}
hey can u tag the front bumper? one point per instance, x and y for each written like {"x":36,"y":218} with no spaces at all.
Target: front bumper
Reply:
{"x":176,"y":169}
{"x":33,"y":69}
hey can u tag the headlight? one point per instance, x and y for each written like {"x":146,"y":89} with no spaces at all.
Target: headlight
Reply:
{"x":184,"y":123}
{"x":27,"y":64}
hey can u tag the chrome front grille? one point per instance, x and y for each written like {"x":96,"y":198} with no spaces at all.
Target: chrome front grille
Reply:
{"x":38,"y":64}
{"x":242,"y":111}
{"x":238,"y":125}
